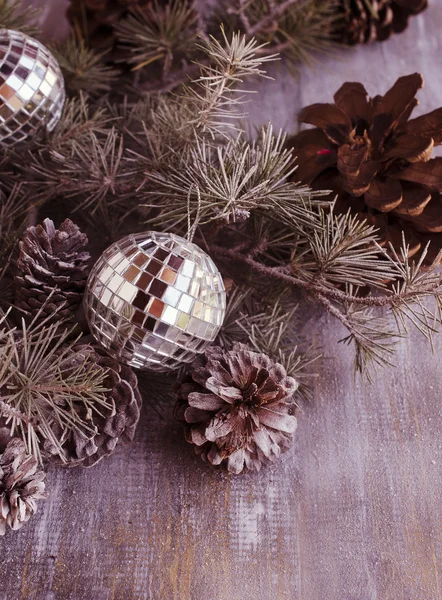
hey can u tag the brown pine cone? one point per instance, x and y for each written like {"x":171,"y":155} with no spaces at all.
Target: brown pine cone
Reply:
{"x":21,"y":483}
{"x":363,"y":21}
{"x":377,"y":161}
{"x":237,"y":408}
{"x":52,"y":261}
{"x":122,"y":385}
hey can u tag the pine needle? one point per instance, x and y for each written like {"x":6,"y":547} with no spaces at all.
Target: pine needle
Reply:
{"x":47,"y":387}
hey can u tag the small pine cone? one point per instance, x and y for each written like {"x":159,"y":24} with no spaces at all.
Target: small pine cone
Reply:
{"x":120,"y":423}
{"x":364,"y":21}
{"x":21,"y":483}
{"x":237,"y":408}
{"x":52,"y":260}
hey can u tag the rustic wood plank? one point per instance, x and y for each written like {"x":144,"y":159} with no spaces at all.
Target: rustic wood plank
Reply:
{"x":353,"y":512}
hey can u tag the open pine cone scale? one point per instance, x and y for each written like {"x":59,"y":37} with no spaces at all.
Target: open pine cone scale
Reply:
{"x":52,"y":271}
{"x":377,"y":161}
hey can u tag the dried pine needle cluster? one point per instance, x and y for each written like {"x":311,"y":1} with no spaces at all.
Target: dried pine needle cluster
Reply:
{"x":124,"y":158}
{"x":182,"y":162}
{"x":156,"y":39}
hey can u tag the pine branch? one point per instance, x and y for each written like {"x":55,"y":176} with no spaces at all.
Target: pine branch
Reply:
{"x":88,"y":170}
{"x":348,"y":245}
{"x":88,"y":159}
{"x":46,"y":385}
{"x":158,"y":33}
{"x":13,"y":16}
{"x":341,"y":251}
{"x":272,"y":332}
{"x":227,"y":183}
{"x":374,"y":337}
{"x":84,"y":69}
{"x":157,"y":40}
{"x":231,"y":62}
{"x":267,"y":22}
{"x":184,"y":163}
{"x":294,"y":28}
{"x":13,"y":209}
{"x":78,"y":121}
{"x":211,"y":107}
{"x":7,"y":412}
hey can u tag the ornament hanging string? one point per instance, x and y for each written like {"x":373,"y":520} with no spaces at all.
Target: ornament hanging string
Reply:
{"x":191,"y":228}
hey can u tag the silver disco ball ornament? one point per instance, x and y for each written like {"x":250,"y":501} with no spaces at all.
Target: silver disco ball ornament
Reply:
{"x":155,"y":300}
{"x":31,"y":87}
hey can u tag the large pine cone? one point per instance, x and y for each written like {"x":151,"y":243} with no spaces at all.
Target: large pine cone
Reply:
{"x":52,"y":261}
{"x":123,"y":394}
{"x":364,"y":21}
{"x":21,"y":483}
{"x":237,"y":408}
{"x":377,"y":161}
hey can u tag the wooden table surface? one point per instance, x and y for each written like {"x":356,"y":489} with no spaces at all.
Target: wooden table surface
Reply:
{"x":353,"y":512}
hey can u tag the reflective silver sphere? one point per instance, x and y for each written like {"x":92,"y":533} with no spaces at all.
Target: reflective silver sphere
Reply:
{"x":31,"y":87}
{"x":155,"y":300}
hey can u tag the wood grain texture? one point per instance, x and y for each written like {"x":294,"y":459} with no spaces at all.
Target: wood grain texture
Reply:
{"x":353,"y":512}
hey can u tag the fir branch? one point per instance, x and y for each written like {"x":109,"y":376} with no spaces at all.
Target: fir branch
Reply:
{"x":88,"y":170}
{"x":158,"y":33}
{"x":294,"y":28}
{"x":83,"y":68}
{"x":374,"y":322}
{"x":78,"y":120}
{"x":14,"y":16}
{"x":230,"y":63}
{"x":341,"y":251}
{"x":227,"y":183}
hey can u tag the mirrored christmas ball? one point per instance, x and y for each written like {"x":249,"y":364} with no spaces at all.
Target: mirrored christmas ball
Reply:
{"x":31,"y":87}
{"x":155,"y":300}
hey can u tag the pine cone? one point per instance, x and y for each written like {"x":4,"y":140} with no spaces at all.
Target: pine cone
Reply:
{"x":21,"y":484}
{"x":52,"y":260}
{"x":364,"y":21}
{"x":237,"y":408}
{"x":122,"y":385}
{"x":377,"y":161}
